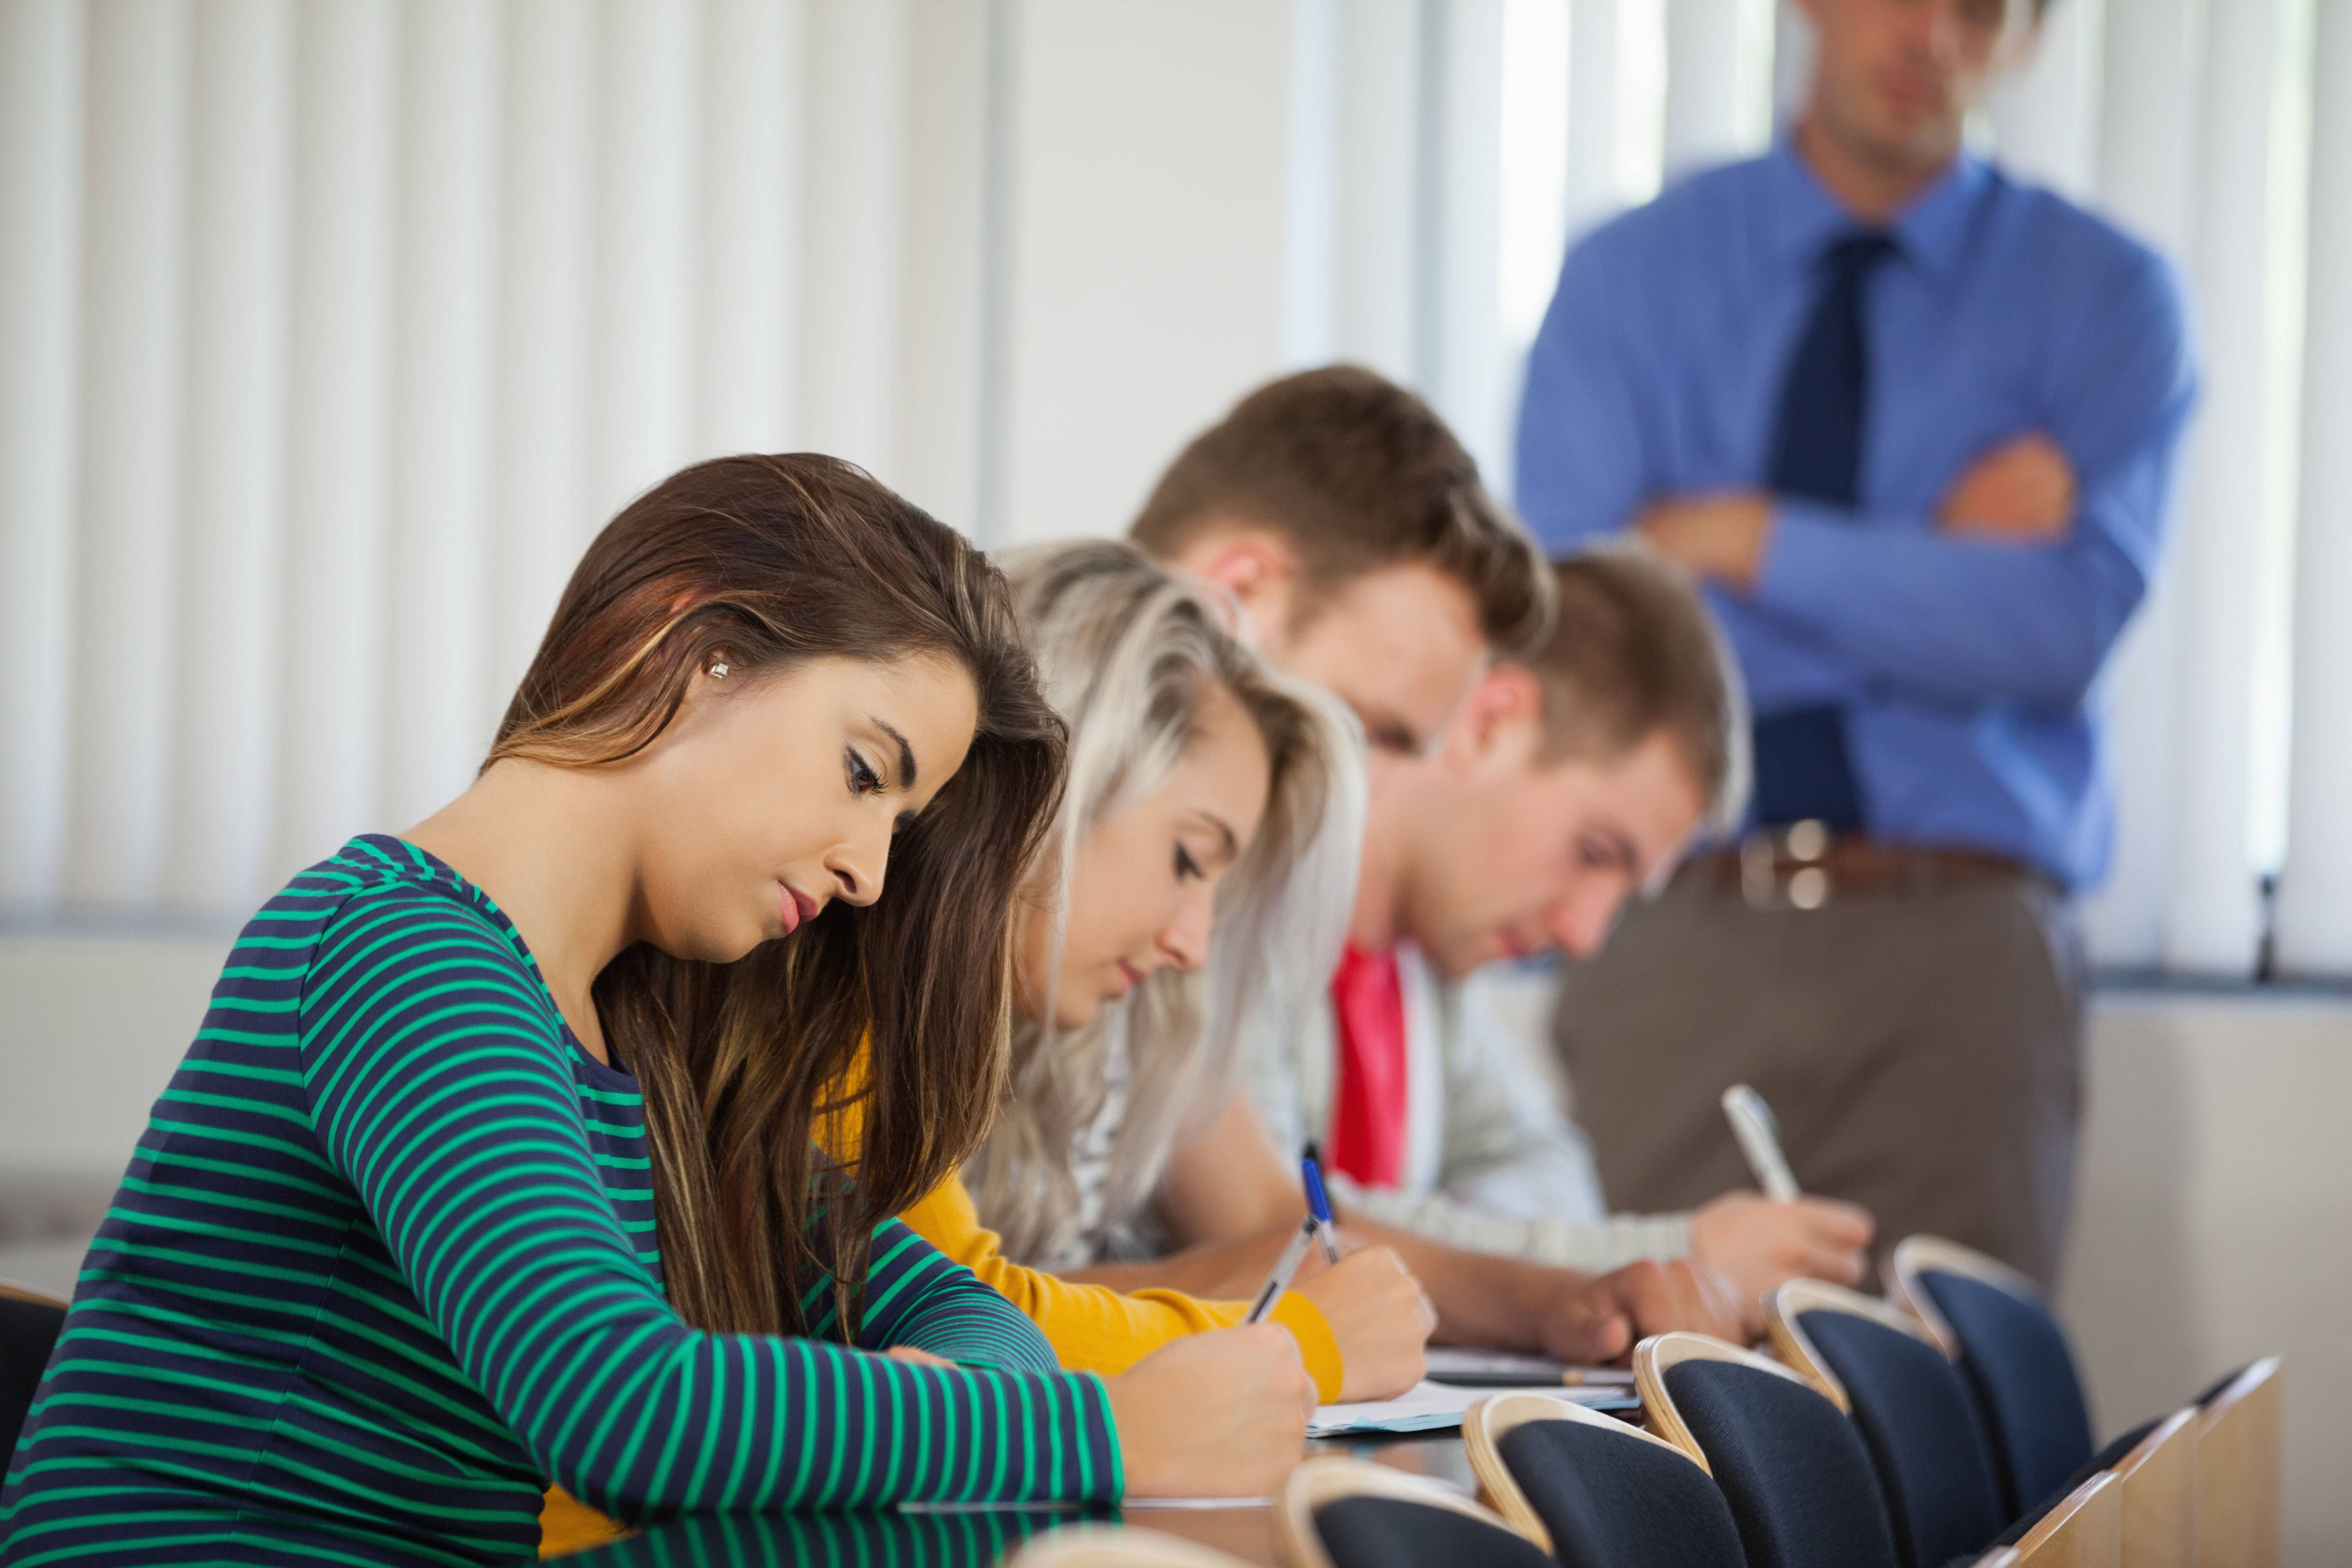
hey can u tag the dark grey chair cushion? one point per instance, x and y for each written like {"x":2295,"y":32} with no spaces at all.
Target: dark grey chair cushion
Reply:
{"x":28,"y":1332}
{"x":2017,"y":1363}
{"x":1613,"y":1500}
{"x":1791,"y":1467}
{"x":1396,"y":1532}
{"x":1921,"y":1430}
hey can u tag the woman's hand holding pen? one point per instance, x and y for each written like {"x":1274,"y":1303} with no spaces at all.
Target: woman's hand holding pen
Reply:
{"x":1380,"y":1317}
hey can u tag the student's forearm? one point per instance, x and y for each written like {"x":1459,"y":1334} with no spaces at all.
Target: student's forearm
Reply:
{"x":1595,"y":1246}
{"x":1225,"y":1270}
{"x":1496,"y":1303}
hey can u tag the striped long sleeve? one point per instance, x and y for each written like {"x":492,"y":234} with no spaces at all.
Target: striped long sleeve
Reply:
{"x":383,"y":1264}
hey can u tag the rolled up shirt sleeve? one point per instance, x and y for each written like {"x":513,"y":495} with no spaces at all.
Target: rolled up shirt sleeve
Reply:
{"x":1948,"y":618}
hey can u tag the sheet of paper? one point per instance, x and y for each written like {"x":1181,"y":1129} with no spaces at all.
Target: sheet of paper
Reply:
{"x":1434,"y":1406}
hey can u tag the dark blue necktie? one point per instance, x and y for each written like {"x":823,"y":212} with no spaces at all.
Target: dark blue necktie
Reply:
{"x":1804,"y":769}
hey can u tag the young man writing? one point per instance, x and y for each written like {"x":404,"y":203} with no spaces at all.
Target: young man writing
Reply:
{"x":1346,"y":520}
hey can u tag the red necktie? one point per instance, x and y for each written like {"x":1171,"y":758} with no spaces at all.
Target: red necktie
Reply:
{"x":1368,"y":1133}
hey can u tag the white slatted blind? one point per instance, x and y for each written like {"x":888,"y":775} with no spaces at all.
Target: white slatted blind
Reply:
{"x":2315,"y":911}
{"x":329,"y":332}
{"x":2147,"y":154}
{"x":42,"y":47}
{"x":2232,"y":506}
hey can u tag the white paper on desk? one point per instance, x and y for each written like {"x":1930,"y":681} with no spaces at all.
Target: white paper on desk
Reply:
{"x":1432,"y":1406}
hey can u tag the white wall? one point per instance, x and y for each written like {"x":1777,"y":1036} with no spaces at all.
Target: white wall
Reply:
{"x":90,"y":1030}
{"x":2215,"y":1203}
{"x":1147,"y":268}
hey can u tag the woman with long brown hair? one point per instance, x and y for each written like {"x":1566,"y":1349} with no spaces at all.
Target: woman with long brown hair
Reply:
{"x":494,"y":1162}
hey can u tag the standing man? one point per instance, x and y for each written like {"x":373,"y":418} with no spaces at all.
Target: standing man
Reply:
{"x":1913,"y":424}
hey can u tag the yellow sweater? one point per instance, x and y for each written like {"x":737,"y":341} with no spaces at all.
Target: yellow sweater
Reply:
{"x":1094,"y":1327}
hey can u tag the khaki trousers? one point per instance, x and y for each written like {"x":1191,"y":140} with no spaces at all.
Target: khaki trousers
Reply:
{"x":1922,"y":1052}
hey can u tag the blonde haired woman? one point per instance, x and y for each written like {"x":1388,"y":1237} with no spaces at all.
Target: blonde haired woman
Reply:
{"x":1206,"y":839}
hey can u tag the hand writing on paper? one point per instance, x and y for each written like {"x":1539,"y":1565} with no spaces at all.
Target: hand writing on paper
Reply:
{"x":1378,"y":1315}
{"x":2021,"y":491}
{"x":1756,"y":1244}
{"x":1215,"y":1415}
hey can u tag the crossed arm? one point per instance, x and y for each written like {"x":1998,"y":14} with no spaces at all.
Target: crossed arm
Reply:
{"x":2012,"y":588}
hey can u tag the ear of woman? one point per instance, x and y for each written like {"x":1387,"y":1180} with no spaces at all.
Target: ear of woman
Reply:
{"x":759,"y":805}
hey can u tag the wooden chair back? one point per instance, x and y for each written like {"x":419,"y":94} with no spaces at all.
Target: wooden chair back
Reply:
{"x":2085,"y":1530}
{"x":1785,"y":1332}
{"x":1917,"y":1254}
{"x":1793,"y":1468}
{"x":1660,"y":1353}
{"x":30,"y":1320}
{"x":1318,"y":1482}
{"x":2239,"y":1434}
{"x":1912,"y":1407}
{"x":2014,"y":1358}
{"x":17,"y":1290}
{"x":1486,"y":1423}
{"x":2158,"y":1478}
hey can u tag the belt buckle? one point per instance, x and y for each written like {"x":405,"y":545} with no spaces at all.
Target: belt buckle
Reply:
{"x":1764,"y":852}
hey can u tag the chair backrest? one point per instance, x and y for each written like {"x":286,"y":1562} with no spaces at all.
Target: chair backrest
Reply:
{"x":2158,"y":1478}
{"x":1349,"y":1513}
{"x":2013,"y":1354}
{"x":2239,"y":1434}
{"x":1118,"y":1546}
{"x":1594,"y":1491}
{"x":1913,"y":1412}
{"x":1789,"y":1463}
{"x":2086,"y":1530}
{"x":30,"y":1320}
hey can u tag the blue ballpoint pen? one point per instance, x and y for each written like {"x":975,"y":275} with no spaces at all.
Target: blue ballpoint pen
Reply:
{"x":1315,"y":1225}
{"x":1311,"y":1168}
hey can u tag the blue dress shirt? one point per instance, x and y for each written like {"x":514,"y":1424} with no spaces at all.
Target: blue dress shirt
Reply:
{"x":1966,"y":667}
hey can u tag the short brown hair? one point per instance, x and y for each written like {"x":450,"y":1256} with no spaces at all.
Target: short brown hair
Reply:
{"x":1633,"y":651}
{"x":1357,"y":474}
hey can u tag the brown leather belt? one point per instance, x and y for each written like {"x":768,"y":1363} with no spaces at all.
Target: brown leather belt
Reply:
{"x":1803,"y":867}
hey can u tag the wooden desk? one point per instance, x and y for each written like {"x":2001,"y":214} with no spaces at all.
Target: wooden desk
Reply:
{"x":976,"y":1538}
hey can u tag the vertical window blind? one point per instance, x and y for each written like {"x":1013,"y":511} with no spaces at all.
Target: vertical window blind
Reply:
{"x":329,"y":333}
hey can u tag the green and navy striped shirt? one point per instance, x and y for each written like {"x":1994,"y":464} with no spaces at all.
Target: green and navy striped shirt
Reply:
{"x":383,"y":1266}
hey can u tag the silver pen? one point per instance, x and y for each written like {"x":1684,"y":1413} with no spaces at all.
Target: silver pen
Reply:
{"x":1284,"y":1266}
